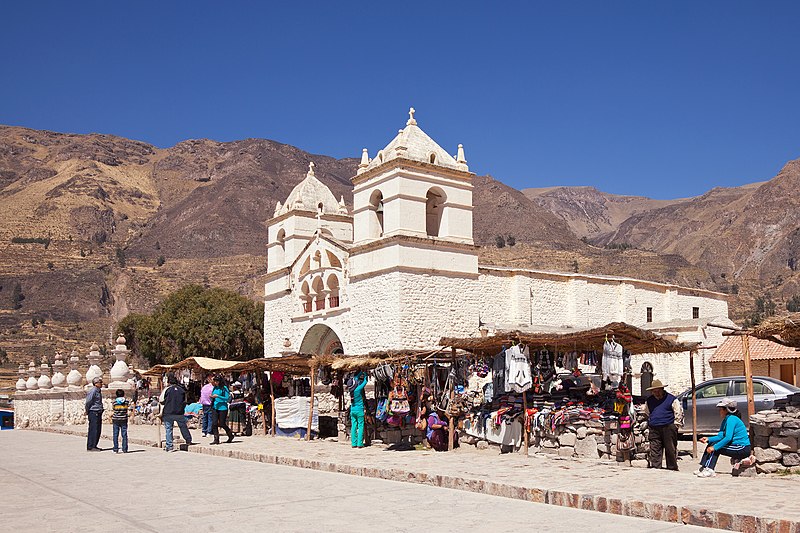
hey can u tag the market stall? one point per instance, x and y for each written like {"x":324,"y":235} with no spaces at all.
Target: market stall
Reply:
{"x":566,"y":389}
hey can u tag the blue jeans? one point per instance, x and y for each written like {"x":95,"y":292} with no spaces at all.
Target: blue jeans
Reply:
{"x":181,"y":420}
{"x":95,"y":427}
{"x":121,"y":426}
{"x":207,"y":419}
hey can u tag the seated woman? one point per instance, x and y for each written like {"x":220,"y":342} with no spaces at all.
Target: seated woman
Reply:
{"x":437,"y":431}
{"x":732,"y":441}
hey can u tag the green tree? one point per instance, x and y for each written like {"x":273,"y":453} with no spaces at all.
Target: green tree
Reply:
{"x":196,"y":321}
{"x":511,"y":240}
{"x":161,"y":260}
{"x":3,"y":357}
{"x":793,"y":305}
{"x":120,"y":254}
{"x":500,"y":241}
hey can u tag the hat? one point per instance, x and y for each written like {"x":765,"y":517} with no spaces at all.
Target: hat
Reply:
{"x":729,"y":404}
{"x":656,"y":385}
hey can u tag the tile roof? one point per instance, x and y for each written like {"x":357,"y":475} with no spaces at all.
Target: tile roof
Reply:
{"x":760,"y":350}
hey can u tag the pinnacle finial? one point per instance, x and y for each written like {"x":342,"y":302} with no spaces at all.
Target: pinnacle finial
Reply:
{"x":411,"y":120}
{"x":460,"y":156}
{"x":311,"y":166}
{"x":364,"y":158}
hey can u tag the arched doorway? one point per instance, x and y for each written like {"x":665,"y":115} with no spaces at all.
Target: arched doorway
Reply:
{"x":321,"y":340}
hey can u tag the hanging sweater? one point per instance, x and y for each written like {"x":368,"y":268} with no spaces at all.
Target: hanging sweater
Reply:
{"x":518,"y":369}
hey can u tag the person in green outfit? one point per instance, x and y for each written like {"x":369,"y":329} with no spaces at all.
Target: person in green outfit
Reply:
{"x":358,"y":401}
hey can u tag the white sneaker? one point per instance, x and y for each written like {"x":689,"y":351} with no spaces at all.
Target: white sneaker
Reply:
{"x":707,"y":473}
{"x":698,"y":471}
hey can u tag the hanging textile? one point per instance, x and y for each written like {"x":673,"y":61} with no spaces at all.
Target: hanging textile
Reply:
{"x":612,"y":360}
{"x":499,"y":373}
{"x":518,"y":369}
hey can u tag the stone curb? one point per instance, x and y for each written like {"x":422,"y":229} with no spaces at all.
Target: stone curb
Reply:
{"x":689,"y":515}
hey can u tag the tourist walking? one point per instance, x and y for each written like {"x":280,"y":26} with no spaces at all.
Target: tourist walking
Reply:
{"x":358,"y":401}
{"x":173,"y":399}
{"x":94,"y":413}
{"x":222,"y":397}
{"x":732,"y":441}
{"x":119,"y":419}
{"x":207,"y":403}
{"x":665,"y":417}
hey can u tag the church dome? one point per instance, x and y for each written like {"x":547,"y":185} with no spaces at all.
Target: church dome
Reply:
{"x":309,"y":195}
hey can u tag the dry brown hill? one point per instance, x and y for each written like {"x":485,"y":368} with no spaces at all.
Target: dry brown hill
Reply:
{"x":87,"y":217}
{"x":590,"y":212}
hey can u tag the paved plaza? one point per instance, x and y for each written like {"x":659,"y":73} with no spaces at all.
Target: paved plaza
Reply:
{"x":50,"y":483}
{"x":758,"y":504}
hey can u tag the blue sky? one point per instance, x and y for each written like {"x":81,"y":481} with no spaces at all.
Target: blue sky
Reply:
{"x":663,"y":99}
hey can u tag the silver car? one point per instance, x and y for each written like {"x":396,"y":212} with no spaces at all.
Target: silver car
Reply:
{"x":765,"y":391}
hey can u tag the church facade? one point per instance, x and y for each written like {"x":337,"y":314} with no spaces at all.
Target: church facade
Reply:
{"x":401,"y":270}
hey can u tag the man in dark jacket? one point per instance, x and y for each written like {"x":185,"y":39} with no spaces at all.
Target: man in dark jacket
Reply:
{"x":94,"y":413}
{"x":173,"y":400}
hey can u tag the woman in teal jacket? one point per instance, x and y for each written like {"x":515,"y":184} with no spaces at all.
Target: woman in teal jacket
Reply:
{"x":221,"y":397}
{"x":357,"y":408}
{"x":732,"y":440}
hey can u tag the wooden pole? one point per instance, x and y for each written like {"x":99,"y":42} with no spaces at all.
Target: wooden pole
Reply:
{"x":272,"y":402}
{"x":310,"y":407}
{"x":748,"y":375}
{"x":694,"y":406}
{"x":260,"y":376}
{"x":526,"y":436}
{"x":450,"y":423}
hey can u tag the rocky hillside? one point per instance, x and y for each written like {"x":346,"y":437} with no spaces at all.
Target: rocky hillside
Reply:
{"x":748,"y":236}
{"x":590,"y":212}
{"x":97,"y":226}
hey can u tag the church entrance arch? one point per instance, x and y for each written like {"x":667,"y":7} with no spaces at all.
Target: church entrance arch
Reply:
{"x":321,"y":340}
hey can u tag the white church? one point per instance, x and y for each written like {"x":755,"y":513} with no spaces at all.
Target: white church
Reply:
{"x":401,"y":270}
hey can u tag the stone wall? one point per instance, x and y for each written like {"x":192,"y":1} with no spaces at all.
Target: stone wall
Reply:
{"x":33,"y":409}
{"x":774,"y":436}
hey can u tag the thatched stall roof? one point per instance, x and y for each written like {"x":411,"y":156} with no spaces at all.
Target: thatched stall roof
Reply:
{"x":206,"y":364}
{"x":294,"y":364}
{"x":157,"y":370}
{"x":634,"y":339}
{"x":784,"y":330}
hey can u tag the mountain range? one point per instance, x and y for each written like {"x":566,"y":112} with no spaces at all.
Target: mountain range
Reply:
{"x":97,"y":226}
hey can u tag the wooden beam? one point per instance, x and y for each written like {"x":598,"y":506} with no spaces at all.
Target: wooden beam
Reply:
{"x":748,"y":375}
{"x":694,"y":406}
{"x":272,"y":403}
{"x":310,"y":407}
{"x":525,"y":434}
{"x":450,"y":423}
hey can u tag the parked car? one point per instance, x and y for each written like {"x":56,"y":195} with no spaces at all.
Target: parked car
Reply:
{"x":765,"y":391}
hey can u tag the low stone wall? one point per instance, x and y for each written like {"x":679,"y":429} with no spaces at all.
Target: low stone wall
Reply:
{"x":36,"y":409}
{"x":775,"y":435}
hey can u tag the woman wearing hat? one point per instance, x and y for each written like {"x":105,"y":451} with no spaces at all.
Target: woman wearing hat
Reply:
{"x":732,"y":440}
{"x":664,"y":417}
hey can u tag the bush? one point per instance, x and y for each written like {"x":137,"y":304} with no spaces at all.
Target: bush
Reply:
{"x":500,"y":242}
{"x":511,"y":240}
{"x":161,"y":260}
{"x":17,"y":297}
{"x":120,"y":255}
{"x":31,"y":240}
{"x":793,"y":305}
